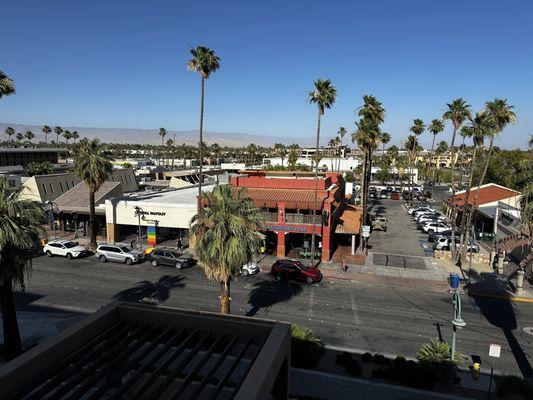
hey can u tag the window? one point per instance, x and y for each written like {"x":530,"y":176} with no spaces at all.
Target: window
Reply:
{"x":61,"y":186}
{"x":51,"y":188}
{"x":66,"y":183}
{"x":44,"y":189}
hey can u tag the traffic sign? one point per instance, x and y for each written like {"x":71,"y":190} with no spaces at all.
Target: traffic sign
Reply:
{"x":366,"y":234}
{"x":495,"y":350}
{"x":366,"y":228}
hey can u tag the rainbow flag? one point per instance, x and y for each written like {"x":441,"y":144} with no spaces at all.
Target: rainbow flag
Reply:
{"x":151,"y":232}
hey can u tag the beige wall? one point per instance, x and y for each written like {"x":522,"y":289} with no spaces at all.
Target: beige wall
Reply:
{"x":48,"y":187}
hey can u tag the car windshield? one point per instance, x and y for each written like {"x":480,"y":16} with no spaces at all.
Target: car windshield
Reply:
{"x":70,"y":245}
{"x":125,"y":249}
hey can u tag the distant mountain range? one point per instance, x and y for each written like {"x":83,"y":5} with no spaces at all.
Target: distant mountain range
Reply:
{"x":151,"y":136}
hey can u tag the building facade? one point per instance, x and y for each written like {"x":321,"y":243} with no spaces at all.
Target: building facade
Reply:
{"x":23,"y":156}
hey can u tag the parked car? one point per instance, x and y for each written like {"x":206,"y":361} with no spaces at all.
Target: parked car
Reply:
{"x":445,"y":244}
{"x":431,"y":217}
{"x":412,"y":210}
{"x":383,"y":194}
{"x":395,"y":196}
{"x":65,"y":248}
{"x":431,"y":227}
{"x":424,"y":210}
{"x":390,"y":189}
{"x":295,"y":270}
{"x":119,"y":253}
{"x":379,"y":223}
{"x":170,"y":257}
{"x":429,"y":214}
{"x":372,"y":195}
{"x":433,"y":237}
{"x":250,"y":268}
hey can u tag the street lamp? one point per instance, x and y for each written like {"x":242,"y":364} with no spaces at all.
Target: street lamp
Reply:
{"x":457,"y":321}
{"x":139,"y":213}
{"x":52,"y":207}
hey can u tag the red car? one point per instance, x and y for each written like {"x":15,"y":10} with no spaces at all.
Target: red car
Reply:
{"x":295,"y":270}
{"x":395,"y":196}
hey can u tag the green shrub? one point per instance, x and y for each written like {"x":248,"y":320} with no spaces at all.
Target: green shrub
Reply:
{"x":380,"y":359}
{"x":307,"y":349}
{"x":422,"y":375}
{"x":435,"y":350}
{"x":367,"y":357}
{"x":514,"y":385}
{"x":343,"y":359}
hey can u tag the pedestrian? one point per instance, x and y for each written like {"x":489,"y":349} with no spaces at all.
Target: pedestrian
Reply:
{"x":179,"y":245}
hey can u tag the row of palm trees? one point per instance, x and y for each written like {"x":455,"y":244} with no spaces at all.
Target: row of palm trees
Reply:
{"x":29,"y":135}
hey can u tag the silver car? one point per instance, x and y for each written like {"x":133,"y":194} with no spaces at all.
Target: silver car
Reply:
{"x":118,"y":253}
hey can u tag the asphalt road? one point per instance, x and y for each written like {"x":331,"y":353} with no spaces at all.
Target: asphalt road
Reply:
{"x":378,"y":318}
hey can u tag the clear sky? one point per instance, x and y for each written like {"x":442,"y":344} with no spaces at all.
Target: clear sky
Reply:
{"x":123,"y":63}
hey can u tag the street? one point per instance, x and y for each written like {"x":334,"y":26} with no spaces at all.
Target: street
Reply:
{"x":378,"y":318}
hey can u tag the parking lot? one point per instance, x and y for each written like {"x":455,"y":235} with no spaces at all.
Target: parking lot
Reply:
{"x":402,"y":245}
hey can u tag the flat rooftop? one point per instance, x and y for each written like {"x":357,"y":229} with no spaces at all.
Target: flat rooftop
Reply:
{"x":31,"y":150}
{"x":178,"y":197}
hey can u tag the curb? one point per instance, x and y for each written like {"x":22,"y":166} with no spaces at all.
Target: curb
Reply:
{"x":515,"y":299}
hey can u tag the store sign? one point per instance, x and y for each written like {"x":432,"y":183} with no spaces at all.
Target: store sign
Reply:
{"x":288,"y":228}
{"x":151,"y":213}
{"x":495,"y":350}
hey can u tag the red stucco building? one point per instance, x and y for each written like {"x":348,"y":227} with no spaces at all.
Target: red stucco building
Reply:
{"x":287,"y":199}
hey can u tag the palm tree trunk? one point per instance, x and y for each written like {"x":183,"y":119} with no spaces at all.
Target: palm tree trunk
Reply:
{"x":200,"y":152}
{"x":92,"y":219}
{"x":453,"y":216}
{"x":363,"y":202}
{"x":12,"y":343}
{"x":315,"y":201}
{"x":466,"y":210}
{"x":431,"y":159}
{"x":225,"y":297}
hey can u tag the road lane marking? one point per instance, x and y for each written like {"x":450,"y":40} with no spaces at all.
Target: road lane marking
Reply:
{"x":310,"y":311}
{"x":356,"y":319}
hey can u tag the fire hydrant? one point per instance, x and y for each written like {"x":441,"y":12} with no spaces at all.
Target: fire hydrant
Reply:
{"x":475,"y":370}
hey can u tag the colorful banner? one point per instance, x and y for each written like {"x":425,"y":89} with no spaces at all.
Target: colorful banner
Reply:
{"x":151,"y":233}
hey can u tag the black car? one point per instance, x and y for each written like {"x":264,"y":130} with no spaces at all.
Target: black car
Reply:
{"x":170,"y":257}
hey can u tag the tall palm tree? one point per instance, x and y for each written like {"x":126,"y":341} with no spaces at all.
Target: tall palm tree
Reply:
{"x":458,"y":112}
{"x":412,"y":147}
{"x":385,"y":139}
{"x":67,"y":135}
{"x":479,"y":128}
{"x":204,"y":61}
{"x":417,"y":128}
{"x":10,"y":132}
{"x":281,"y":151}
{"x":530,"y":142}
{"x":162,"y":133}
{"x":368,"y":136}
{"x":323,"y":95}
{"x":46,"y":131}
{"x":29,"y":136}
{"x":392,"y":153}
{"x":336,"y":145}
{"x":58,"y":131}
{"x":436,"y":127}
{"x":340,"y":134}
{"x":19,"y":137}
{"x":7,"y":87}
{"x":227,"y":231}
{"x":74,"y":135}
{"x":21,"y":228}
{"x":331,"y":144}
{"x":93,"y":166}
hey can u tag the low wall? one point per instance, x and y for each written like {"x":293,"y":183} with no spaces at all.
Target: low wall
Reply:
{"x":477,"y":258}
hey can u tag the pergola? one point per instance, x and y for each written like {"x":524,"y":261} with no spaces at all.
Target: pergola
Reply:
{"x":137,"y":351}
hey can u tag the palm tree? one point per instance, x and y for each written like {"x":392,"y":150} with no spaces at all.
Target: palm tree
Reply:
{"x":530,"y":142}
{"x":162,"y":133}
{"x":67,"y":135}
{"x":392,"y":153}
{"x":46,"y":131}
{"x":205,"y":62}
{"x":10,"y":132}
{"x":29,"y":136}
{"x":340,"y":134}
{"x":417,"y":128}
{"x":385,"y":139}
{"x":93,"y":166}
{"x":323,"y":96}
{"x":368,"y":136}
{"x":7,"y":87}
{"x":21,"y":228}
{"x":74,"y":135}
{"x":227,"y":231}
{"x":436,"y":127}
{"x":331,"y":144}
{"x":19,"y":137}
{"x":281,"y":151}
{"x":58,"y":131}
{"x":479,"y":128}
{"x":442,"y":148}
{"x":458,"y":112}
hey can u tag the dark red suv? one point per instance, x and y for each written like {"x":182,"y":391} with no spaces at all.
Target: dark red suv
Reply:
{"x":295,"y":270}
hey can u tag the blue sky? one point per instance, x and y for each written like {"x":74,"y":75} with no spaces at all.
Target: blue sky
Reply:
{"x":123,"y":63}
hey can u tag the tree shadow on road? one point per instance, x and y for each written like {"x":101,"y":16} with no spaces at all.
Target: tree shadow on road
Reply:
{"x":267,"y":293}
{"x":500,"y":313}
{"x":159,"y":290}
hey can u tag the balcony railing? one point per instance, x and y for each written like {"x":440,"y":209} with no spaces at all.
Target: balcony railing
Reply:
{"x":270,"y":216}
{"x":293,"y":218}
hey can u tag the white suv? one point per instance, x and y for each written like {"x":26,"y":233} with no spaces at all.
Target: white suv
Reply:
{"x":434,"y":226}
{"x":64,"y":248}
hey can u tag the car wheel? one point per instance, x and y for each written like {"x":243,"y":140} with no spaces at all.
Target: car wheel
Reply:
{"x":48,"y":253}
{"x":102,"y":259}
{"x":309,"y":280}
{"x":431,"y":231}
{"x":69,"y":256}
{"x":178,"y":265}
{"x":129,"y":261}
{"x":245,"y":272}
{"x":154,"y":263}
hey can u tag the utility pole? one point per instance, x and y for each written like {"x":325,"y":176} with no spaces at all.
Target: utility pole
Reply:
{"x":138,"y":214}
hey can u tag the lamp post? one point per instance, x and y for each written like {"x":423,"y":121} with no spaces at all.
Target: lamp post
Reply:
{"x":139,"y":213}
{"x":457,"y":321}
{"x":51,"y":207}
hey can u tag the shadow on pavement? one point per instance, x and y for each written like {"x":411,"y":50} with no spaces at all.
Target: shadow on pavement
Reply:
{"x":267,"y":293}
{"x":160,"y":289}
{"x":501,"y":314}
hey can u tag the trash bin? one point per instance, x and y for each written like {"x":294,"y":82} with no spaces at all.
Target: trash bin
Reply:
{"x":454,"y":281}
